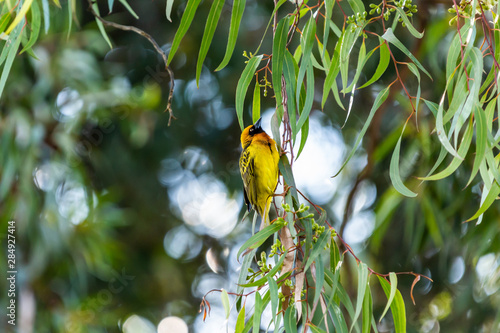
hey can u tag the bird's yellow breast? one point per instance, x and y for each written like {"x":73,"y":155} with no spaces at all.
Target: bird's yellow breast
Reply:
{"x":259,"y":170}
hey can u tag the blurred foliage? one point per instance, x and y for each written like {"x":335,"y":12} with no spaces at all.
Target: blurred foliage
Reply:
{"x":98,"y":184}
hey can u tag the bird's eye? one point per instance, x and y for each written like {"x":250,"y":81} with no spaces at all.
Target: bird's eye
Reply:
{"x":251,"y":130}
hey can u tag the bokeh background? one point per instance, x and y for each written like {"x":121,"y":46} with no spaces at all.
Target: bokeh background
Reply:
{"x":124,"y":223}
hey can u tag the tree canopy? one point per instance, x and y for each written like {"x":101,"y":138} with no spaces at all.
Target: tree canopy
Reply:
{"x":119,"y":136}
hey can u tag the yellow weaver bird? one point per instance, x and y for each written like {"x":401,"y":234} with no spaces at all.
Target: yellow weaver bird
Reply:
{"x":259,"y":169}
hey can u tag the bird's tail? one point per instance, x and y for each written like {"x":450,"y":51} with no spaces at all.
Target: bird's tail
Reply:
{"x":265,"y":213}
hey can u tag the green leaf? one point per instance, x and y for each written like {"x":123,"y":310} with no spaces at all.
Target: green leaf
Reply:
{"x":408,"y":24}
{"x":256,"y":102}
{"x":242,"y":87}
{"x":304,"y":114}
{"x":290,"y":321}
{"x":71,"y":8}
{"x":262,"y":281}
{"x":391,"y":38}
{"x":397,"y":306}
{"x":348,"y":42}
{"x":110,"y":5}
{"x":19,"y":16}
{"x":393,"y":288}
{"x":186,"y":20}
{"x":481,"y":139}
{"x":318,"y":248}
{"x":304,"y":132}
{"x":382,"y":65}
{"x":394,"y":171}
{"x":333,"y":71}
{"x":357,"y":6}
{"x":490,"y":198}
{"x":101,"y":26}
{"x":259,"y":238}
{"x":455,"y":163}
{"x":234,"y":27}
{"x":168,"y":9}
{"x":240,"y":321}
{"x":307,"y":42}
{"x":338,"y":319}
{"x":130,"y":10}
{"x":46,"y":15}
{"x":286,"y":171}
{"x":362,"y":60}
{"x":316,"y":329}
{"x":381,"y":97}
{"x":273,"y":291}
{"x":247,"y":262}
{"x":225,"y":302}
{"x":290,"y":79}
{"x":271,"y":19}
{"x":320,"y":278}
{"x":11,"y":48}
{"x":36,"y":22}
{"x":257,"y":312}
{"x":415,"y":72}
{"x":278,"y":59}
{"x":275,"y":129}
{"x":352,"y":86}
{"x":208,"y":35}
{"x":362,"y":283}
{"x":326,"y":28}
{"x":4,"y":22}
{"x":367,"y":310}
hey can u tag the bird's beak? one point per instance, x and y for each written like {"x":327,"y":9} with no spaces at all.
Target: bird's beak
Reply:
{"x":257,"y":124}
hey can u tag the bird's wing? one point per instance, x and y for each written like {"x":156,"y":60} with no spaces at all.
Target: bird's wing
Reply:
{"x":247,"y":169}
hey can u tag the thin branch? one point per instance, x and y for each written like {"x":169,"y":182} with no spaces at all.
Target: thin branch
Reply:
{"x":158,"y":49}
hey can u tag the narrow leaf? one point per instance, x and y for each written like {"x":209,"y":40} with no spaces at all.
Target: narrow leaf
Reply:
{"x":391,"y":38}
{"x":394,"y":171}
{"x":256,"y":240}
{"x":279,"y":45}
{"x":320,"y":278}
{"x":256,"y":102}
{"x":408,"y":24}
{"x":11,"y":48}
{"x":242,"y":87}
{"x":101,"y":26}
{"x":257,"y":313}
{"x":318,"y":248}
{"x":19,"y":16}
{"x":304,"y":132}
{"x":234,"y":27}
{"x":393,"y":288}
{"x":381,"y":97}
{"x":367,"y":310}
{"x":168,"y":9}
{"x":208,"y":35}
{"x":490,"y":198}
{"x":186,"y":20}
{"x":362,"y":283}
{"x":273,"y":291}
{"x":130,"y":10}
{"x":382,"y":64}
{"x":397,"y":306}
{"x":455,"y":163}
{"x":247,"y":262}
{"x":289,"y":320}
{"x":36,"y":22}
{"x":240,"y":321}
{"x":225,"y":302}
{"x":46,"y":15}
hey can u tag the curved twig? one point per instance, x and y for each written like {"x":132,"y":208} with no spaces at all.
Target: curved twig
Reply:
{"x":158,"y":49}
